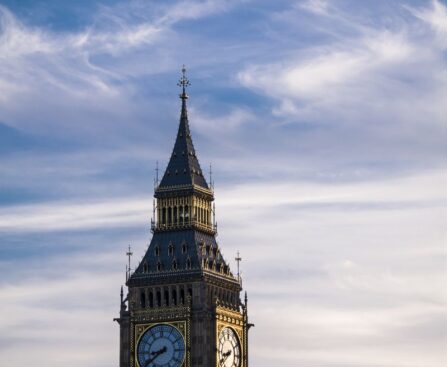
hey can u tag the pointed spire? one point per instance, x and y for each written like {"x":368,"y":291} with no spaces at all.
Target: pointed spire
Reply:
{"x":183,"y":167}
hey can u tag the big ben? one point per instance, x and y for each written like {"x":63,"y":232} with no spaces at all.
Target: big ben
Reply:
{"x":183,"y":306}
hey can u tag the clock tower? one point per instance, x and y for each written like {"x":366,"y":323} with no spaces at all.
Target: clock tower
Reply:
{"x":183,"y":306}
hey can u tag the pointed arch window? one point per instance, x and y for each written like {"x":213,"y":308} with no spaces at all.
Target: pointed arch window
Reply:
{"x":163,"y":216}
{"x":169,"y":216}
{"x":158,"y":298}
{"x":174,"y":264}
{"x":143,"y":299}
{"x":174,"y":297}
{"x":186,"y":214}
{"x":166,"y":297}
{"x":157,"y":250}
{"x":159,"y":266}
{"x":182,"y":295}
{"x":170,"y":250}
{"x":151,"y":299}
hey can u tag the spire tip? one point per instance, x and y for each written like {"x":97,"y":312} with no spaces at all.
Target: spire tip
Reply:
{"x":183,"y":83}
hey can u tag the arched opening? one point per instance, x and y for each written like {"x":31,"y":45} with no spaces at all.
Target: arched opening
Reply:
{"x":182,"y":215}
{"x":182,"y":296}
{"x":174,"y":297}
{"x":166,"y":297}
{"x":151,"y":299}
{"x":175,"y":215}
{"x":163,"y":217}
{"x":158,"y":298}
{"x":143,"y":300}
{"x":169,"y":216}
{"x":186,"y":214}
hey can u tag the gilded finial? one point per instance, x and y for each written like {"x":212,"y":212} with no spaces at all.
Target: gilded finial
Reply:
{"x":184,"y":83}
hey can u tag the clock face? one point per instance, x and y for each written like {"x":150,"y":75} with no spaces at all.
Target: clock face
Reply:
{"x":229,"y":349}
{"x":161,"y":346}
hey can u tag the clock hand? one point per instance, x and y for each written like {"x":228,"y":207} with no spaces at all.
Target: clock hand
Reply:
{"x":225,"y":355}
{"x":158,"y":352}
{"x":155,"y":355}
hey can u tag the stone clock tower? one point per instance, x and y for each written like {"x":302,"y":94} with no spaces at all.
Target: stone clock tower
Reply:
{"x":183,"y":307}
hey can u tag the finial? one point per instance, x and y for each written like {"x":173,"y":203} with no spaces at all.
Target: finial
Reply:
{"x":129,"y":253}
{"x":211,"y":178}
{"x":238,"y":259}
{"x":184,"y":83}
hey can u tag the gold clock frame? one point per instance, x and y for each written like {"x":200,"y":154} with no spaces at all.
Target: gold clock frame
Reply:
{"x":181,"y":326}
{"x":227,"y":318}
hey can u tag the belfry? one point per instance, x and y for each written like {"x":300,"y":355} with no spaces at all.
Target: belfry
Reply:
{"x":183,"y":306}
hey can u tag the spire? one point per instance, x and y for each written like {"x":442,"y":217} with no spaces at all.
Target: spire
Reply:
{"x":183,"y":167}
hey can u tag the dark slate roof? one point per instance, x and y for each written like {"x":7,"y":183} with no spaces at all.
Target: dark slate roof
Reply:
{"x":190,"y":244}
{"x":183,"y":167}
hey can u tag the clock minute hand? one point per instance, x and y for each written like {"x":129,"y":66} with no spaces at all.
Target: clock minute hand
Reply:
{"x":158,"y":352}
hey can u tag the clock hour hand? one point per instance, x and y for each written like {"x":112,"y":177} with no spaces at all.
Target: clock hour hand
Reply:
{"x":155,"y":355}
{"x":225,"y":356}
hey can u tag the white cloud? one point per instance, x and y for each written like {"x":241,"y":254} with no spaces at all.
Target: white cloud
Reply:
{"x":64,"y":216}
{"x":316,"y":6}
{"x":37,"y":64}
{"x":220,"y":125}
{"x":436,"y":17}
{"x":59,"y":320}
{"x":17,"y":41}
{"x":354,"y":78}
{"x":333,"y":70}
{"x":188,"y":10}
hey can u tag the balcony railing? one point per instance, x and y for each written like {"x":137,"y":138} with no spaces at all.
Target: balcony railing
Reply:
{"x":182,"y":225}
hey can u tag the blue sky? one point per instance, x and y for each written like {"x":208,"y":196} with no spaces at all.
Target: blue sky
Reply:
{"x":325,"y":123}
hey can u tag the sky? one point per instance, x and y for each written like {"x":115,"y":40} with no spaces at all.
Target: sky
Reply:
{"x":325,"y":124}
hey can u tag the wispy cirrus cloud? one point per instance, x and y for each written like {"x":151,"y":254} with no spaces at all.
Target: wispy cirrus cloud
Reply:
{"x":363,"y":69}
{"x":315,"y":6}
{"x":77,"y":65}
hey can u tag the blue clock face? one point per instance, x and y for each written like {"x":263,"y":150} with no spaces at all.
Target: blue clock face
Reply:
{"x":161,"y":346}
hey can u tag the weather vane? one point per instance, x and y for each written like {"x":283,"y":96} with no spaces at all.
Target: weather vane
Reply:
{"x":184,"y":83}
